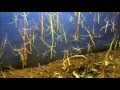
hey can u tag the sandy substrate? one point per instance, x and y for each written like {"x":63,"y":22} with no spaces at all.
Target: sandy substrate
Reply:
{"x":92,"y":67}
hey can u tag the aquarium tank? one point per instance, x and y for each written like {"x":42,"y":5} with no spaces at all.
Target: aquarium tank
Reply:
{"x":31,"y":39}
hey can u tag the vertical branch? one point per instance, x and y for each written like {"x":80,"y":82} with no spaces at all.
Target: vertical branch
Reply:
{"x":98,"y":18}
{"x":42,"y":25}
{"x":64,"y":34}
{"x":78,"y":24}
{"x":57,"y":20}
{"x":77,"y":33}
{"x":52,"y":33}
{"x":24,"y":45}
{"x":25,"y":37}
{"x":94,"y":18}
{"x":30,"y":39}
{"x":33,"y":36}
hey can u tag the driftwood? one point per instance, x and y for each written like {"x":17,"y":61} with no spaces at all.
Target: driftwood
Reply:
{"x":78,"y":56}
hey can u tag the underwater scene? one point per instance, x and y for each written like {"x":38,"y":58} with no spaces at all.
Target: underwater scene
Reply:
{"x":59,"y":45}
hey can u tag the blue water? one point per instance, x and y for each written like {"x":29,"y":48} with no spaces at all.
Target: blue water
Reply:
{"x":68,"y":20}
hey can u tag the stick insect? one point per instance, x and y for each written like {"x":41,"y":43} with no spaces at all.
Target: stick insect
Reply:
{"x":15,"y":19}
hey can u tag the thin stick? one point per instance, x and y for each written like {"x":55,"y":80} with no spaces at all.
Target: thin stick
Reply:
{"x":77,"y":34}
{"x":90,"y":36}
{"x":42,"y":25}
{"x":57,"y":20}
